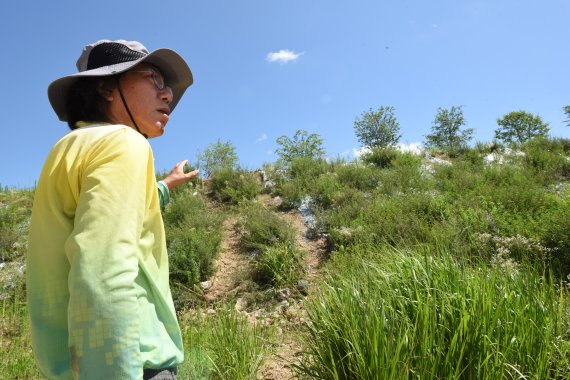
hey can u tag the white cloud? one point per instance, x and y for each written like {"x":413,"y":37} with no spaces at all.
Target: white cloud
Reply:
{"x":283,"y":56}
{"x":415,"y":147}
{"x":261,"y":138}
{"x":357,"y":152}
{"x":435,"y":26}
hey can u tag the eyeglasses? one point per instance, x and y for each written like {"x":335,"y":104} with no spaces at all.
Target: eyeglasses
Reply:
{"x":157,"y":77}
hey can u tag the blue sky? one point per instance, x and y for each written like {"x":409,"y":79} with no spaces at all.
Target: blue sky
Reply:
{"x":489,"y":56}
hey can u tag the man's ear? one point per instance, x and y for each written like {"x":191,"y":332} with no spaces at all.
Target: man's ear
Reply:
{"x":105,"y":89}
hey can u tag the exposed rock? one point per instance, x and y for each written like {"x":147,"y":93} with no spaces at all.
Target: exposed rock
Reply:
{"x":303,"y":287}
{"x":277,"y":201}
{"x":205,"y":285}
{"x":282,"y":306}
{"x":284,"y":294}
{"x":501,"y":158}
{"x":241,"y":304}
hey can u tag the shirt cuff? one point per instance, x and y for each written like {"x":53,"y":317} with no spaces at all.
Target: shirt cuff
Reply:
{"x":163,"y":194}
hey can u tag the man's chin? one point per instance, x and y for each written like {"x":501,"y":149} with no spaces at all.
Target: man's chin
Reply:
{"x":157,"y":132}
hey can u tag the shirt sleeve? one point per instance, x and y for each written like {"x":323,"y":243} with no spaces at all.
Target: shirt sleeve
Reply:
{"x":163,"y":194}
{"x":103,"y":252}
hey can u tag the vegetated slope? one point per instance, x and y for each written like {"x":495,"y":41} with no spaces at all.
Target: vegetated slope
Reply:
{"x":435,"y":228}
{"x":280,"y":308}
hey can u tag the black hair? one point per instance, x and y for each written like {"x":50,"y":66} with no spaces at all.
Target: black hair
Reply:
{"x":85,"y":101}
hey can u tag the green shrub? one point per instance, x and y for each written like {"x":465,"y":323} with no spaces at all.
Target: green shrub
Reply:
{"x":233,"y":186}
{"x":546,"y":159}
{"x":556,"y":236}
{"x":474,"y":156}
{"x":564,"y":144}
{"x":486,"y":148}
{"x":263,"y":228}
{"x":459,"y":179}
{"x":298,"y":179}
{"x":510,"y":251}
{"x":192,"y":252}
{"x":387,"y":314}
{"x":406,"y":173}
{"x":184,"y":204}
{"x":360,"y":177}
{"x":380,"y":157}
{"x":403,"y":175}
{"x":398,"y":219}
{"x":325,"y":188}
{"x":304,"y":169}
{"x":194,"y":234}
{"x":290,"y":194}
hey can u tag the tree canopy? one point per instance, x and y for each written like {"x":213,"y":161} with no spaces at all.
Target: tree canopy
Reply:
{"x":217,"y":156}
{"x":302,"y":144}
{"x":378,"y":129}
{"x":446,"y":130}
{"x":520,"y":126}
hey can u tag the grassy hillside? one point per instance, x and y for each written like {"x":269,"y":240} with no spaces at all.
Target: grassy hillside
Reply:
{"x":406,"y":266}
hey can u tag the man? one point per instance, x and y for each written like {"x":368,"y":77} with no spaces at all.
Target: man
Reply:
{"x":97,"y":267}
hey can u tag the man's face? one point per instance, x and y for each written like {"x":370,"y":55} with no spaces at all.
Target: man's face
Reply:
{"x":148,"y":104}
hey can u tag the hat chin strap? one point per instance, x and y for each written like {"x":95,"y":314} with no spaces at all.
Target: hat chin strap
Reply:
{"x":127,"y":108}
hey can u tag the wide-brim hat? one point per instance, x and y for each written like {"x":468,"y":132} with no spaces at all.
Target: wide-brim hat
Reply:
{"x":105,"y":58}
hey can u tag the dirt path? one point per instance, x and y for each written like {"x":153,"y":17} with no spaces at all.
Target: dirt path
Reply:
{"x":278,"y":367}
{"x":232,"y":267}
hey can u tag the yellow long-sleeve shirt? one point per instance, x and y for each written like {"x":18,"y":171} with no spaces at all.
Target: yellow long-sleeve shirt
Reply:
{"x":97,"y":267}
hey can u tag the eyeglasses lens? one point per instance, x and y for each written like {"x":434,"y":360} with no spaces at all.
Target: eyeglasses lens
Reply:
{"x":158,"y":80}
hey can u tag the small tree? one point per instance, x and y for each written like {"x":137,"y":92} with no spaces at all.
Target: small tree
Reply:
{"x":519,"y":127}
{"x":217,"y":156}
{"x":378,"y":129}
{"x":446,"y":133}
{"x":303,"y":144}
{"x":566,"y":110}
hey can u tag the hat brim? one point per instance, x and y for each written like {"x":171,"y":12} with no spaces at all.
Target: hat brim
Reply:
{"x":175,"y":70}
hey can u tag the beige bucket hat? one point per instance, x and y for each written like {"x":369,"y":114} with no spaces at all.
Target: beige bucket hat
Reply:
{"x":105,"y":57}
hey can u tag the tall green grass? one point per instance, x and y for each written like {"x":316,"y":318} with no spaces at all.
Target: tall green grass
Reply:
{"x":224,"y":346}
{"x":389,"y":314}
{"x":16,"y":359}
{"x":278,"y":266}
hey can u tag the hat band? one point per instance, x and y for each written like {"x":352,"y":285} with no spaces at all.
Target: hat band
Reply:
{"x":111,"y":53}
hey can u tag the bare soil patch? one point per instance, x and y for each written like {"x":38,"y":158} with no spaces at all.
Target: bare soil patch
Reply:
{"x":230,"y":265}
{"x":287,"y":316}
